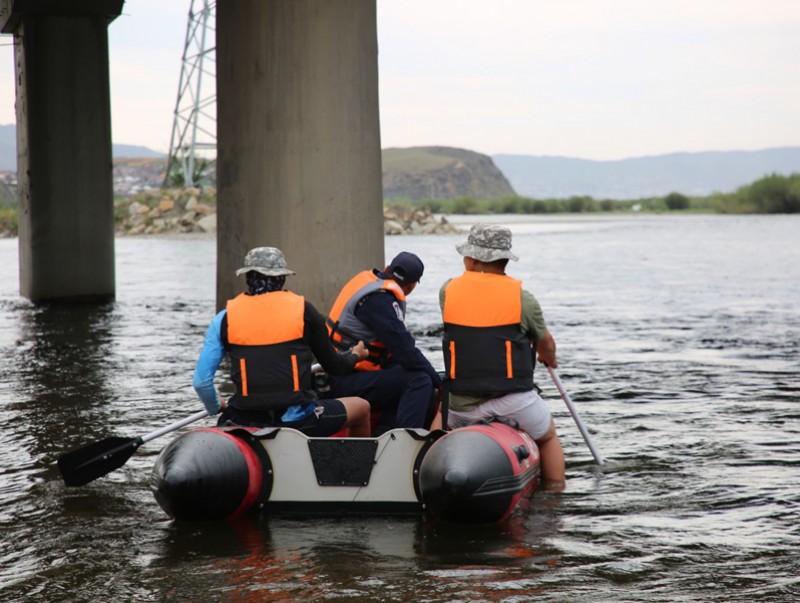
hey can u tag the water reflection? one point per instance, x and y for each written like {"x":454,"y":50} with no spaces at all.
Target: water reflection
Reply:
{"x":63,"y":364}
{"x":360,"y":559}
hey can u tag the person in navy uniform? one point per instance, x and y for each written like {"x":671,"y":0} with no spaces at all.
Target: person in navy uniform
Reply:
{"x":396,"y":378}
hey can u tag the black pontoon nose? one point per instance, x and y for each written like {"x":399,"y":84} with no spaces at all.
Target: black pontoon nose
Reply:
{"x":474,"y":475}
{"x":206,"y":474}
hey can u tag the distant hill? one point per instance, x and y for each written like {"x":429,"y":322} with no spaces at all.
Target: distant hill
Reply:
{"x":8,"y":149}
{"x":446,"y":173}
{"x":694,"y":174}
{"x":441,"y":173}
{"x":130,"y":151}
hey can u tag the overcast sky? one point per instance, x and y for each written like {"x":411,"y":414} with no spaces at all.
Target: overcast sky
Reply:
{"x":594,"y":79}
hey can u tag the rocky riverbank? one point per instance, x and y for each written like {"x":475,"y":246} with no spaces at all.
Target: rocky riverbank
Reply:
{"x":193,"y":211}
{"x":187,"y":210}
{"x":402,"y":219}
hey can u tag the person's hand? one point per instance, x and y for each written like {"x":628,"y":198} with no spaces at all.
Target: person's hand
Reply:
{"x":552,"y":362}
{"x":360,"y":350}
{"x":223,"y":404}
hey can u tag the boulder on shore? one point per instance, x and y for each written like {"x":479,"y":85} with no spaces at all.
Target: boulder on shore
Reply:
{"x":186,"y":210}
{"x":189,"y":210}
{"x":413,"y":220}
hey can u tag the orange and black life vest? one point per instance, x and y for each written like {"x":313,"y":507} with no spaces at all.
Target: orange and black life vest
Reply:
{"x":485,"y":350}
{"x":346,"y":330}
{"x":270,"y":360}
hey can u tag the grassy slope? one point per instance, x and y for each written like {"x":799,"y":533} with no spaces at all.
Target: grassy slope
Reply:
{"x":413,"y":160}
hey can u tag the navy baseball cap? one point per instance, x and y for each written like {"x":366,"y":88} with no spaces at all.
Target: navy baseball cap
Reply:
{"x":406,"y":268}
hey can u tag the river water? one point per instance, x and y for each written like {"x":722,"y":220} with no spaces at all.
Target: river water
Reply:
{"x":679,"y":341}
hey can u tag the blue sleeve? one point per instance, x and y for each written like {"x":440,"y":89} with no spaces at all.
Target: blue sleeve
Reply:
{"x":381,"y":313}
{"x":210,"y":357}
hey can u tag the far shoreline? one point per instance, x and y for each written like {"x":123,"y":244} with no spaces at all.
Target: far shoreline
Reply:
{"x":461,"y":223}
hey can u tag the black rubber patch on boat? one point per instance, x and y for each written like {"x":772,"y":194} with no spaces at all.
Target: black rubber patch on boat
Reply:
{"x":342,"y":462}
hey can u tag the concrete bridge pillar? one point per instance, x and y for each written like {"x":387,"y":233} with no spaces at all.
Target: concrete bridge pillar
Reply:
{"x":298,"y":141}
{"x":64,"y":161}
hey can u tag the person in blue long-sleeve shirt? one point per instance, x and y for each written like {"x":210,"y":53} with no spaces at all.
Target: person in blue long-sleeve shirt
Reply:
{"x":396,"y":378}
{"x":272,"y":337}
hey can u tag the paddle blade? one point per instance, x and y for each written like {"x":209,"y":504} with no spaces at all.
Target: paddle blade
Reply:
{"x":85,"y":464}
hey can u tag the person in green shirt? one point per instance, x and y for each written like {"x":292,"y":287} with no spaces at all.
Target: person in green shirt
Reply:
{"x":492,"y":329}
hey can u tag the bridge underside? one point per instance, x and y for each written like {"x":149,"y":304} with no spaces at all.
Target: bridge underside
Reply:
{"x":299,"y":163}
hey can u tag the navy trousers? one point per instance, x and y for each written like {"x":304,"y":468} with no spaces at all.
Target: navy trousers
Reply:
{"x":405,"y":398}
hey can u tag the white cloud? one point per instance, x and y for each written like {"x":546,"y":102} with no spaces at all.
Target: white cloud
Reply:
{"x":599,"y":79}
{"x":589,"y":78}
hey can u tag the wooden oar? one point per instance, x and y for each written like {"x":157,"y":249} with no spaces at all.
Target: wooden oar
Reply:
{"x":82,"y":465}
{"x":574,"y":412}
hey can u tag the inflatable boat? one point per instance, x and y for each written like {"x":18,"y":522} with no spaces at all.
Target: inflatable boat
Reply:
{"x":475,"y":474}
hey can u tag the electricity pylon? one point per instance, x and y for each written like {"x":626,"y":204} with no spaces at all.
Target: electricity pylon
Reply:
{"x":193,"y":145}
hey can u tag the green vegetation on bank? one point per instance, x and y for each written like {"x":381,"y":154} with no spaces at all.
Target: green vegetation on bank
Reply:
{"x":8,"y":221}
{"x":774,"y":194}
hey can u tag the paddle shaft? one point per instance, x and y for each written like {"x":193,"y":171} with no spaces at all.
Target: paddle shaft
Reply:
{"x":574,"y":412}
{"x":173,"y":426}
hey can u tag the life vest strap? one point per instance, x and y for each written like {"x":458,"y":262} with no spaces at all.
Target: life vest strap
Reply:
{"x":344,"y":339}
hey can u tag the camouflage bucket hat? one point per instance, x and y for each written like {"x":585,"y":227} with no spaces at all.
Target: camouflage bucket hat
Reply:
{"x":487,"y":243}
{"x":269,"y":261}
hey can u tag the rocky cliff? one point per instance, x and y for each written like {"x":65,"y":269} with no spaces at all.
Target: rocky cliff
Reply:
{"x":412,"y":174}
{"x":419,"y":173}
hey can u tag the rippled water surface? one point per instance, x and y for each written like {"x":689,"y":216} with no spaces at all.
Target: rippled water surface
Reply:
{"x":679,"y":341}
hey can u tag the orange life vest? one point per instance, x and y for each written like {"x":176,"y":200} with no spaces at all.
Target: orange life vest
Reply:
{"x":346,"y":330}
{"x":485,"y":350}
{"x":270,"y":360}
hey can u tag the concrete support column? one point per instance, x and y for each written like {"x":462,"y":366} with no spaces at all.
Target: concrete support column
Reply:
{"x":298,"y":141}
{"x":64,"y":161}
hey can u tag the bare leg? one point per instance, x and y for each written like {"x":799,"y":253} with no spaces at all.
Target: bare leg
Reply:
{"x":437,"y":421}
{"x":552,"y":460}
{"x":357,"y":421}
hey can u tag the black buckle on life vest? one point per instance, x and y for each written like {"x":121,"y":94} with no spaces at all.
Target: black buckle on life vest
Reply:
{"x":346,"y":340}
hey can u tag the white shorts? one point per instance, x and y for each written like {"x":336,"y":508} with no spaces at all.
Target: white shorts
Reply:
{"x":528,"y":409}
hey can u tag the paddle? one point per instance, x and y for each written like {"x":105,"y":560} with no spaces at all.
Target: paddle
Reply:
{"x":82,"y":465}
{"x":574,"y":412}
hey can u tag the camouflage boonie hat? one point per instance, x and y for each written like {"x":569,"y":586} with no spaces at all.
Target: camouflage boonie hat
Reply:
{"x":269,"y":261}
{"x":487,"y":243}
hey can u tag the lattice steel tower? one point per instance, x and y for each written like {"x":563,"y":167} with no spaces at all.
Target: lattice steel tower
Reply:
{"x":193,"y":144}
